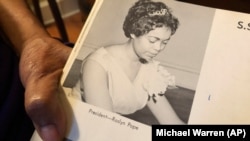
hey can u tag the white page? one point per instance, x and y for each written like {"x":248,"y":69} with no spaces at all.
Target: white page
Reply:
{"x":90,"y":123}
{"x":223,"y":91}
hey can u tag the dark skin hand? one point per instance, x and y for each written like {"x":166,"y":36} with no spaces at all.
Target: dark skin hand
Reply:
{"x":40,"y":71}
{"x":42,"y":59}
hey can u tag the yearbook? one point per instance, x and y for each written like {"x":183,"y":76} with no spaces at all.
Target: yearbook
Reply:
{"x":139,"y":63}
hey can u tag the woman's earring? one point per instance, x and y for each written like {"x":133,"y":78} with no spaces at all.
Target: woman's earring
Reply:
{"x":132,"y":36}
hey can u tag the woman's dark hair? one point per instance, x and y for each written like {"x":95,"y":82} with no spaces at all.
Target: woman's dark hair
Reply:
{"x":146,"y":15}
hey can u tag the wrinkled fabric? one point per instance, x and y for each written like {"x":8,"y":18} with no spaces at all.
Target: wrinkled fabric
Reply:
{"x":15,"y":125}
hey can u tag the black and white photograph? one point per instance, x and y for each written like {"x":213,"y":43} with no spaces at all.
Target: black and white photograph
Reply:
{"x":140,"y":63}
{"x":142,"y":59}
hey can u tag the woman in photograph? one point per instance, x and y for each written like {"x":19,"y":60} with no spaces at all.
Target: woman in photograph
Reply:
{"x":124,"y":78}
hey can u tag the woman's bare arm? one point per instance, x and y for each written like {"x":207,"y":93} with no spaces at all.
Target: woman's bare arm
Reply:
{"x":95,"y":85}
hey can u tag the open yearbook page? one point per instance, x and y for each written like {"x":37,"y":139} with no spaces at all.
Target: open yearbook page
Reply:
{"x":223,"y":89}
{"x":139,"y":63}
